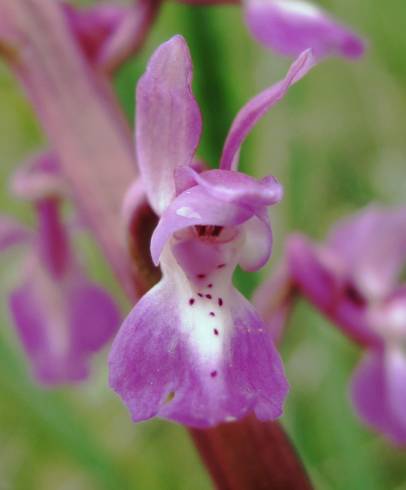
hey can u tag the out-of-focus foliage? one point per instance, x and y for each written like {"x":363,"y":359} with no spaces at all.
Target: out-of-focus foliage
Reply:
{"x":336,"y":143}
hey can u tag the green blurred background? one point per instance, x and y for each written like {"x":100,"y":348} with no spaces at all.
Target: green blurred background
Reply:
{"x":336,"y":143}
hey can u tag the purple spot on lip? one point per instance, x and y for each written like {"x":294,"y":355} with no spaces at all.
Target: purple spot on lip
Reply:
{"x":191,"y":301}
{"x":200,"y":295}
{"x":210,"y":285}
{"x":220,"y":302}
{"x":213,"y":374}
{"x":208,"y":296}
{"x":220,"y":266}
{"x":215,"y":331}
{"x":212,"y":313}
{"x":201,"y":276}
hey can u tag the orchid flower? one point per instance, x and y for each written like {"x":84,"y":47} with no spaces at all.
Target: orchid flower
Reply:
{"x":193,"y":349}
{"x":353,"y":280}
{"x":61,"y":317}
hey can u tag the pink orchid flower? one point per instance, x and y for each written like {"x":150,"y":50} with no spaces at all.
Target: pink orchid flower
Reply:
{"x":354,"y":280}
{"x":193,"y":349}
{"x":61,"y":317}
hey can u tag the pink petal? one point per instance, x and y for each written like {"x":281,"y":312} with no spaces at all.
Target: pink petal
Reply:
{"x":377,"y":249}
{"x":374,"y":395}
{"x":314,"y":273}
{"x":195,"y":207}
{"x":257,"y":247}
{"x":168,"y":121}
{"x":60,"y":324}
{"x":257,"y":107}
{"x":291,"y":26}
{"x":194,"y":350}
{"x":236,"y":187}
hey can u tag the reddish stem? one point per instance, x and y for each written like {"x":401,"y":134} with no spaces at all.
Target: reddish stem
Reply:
{"x":251,"y":455}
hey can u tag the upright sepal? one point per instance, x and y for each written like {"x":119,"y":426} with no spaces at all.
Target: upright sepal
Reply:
{"x":168,"y":121}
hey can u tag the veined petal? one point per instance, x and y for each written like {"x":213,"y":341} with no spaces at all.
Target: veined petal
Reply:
{"x":315,"y":273}
{"x":61,"y":323}
{"x":236,"y":187}
{"x":193,"y":349}
{"x":168,"y":121}
{"x":258,"y":106}
{"x":195,"y":206}
{"x":12,"y":233}
{"x":372,"y":394}
{"x":377,"y":249}
{"x":290,"y":26}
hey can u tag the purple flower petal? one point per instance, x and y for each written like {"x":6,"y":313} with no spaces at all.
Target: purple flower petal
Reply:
{"x":378,"y":392}
{"x":377,"y":249}
{"x":168,"y":122}
{"x":318,"y":277}
{"x":61,"y":323}
{"x":12,"y":233}
{"x":258,"y":106}
{"x":195,"y":207}
{"x":291,"y":26}
{"x":236,"y":187}
{"x":193,"y":349}
{"x":257,"y":247}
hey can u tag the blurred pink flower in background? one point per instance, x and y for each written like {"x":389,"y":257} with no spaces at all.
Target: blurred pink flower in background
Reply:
{"x":290,"y":26}
{"x":353,"y":278}
{"x":60,"y":315}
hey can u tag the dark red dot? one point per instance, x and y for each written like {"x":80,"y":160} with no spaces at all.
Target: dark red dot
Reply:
{"x":201,"y":276}
{"x":220,"y":302}
{"x":220,"y":266}
{"x":191,"y":301}
{"x":213,"y":374}
{"x":210,"y":285}
{"x":215,"y":331}
{"x":200,"y":295}
{"x":208,"y":296}
{"x":212,"y":313}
